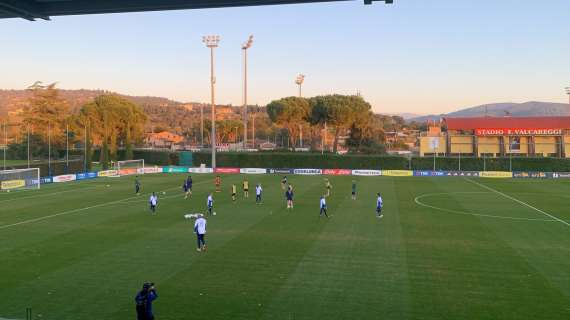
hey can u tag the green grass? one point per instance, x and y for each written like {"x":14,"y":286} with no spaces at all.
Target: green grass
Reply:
{"x":460,"y":252}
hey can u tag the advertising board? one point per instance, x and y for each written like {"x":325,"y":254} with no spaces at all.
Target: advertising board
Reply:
{"x":175,"y":169}
{"x":309,"y":172}
{"x":364,"y":172}
{"x":495,"y":174}
{"x":337,"y":172}
{"x":86,"y":175}
{"x":64,"y":178}
{"x":107,"y":173}
{"x":397,"y":173}
{"x":227,"y":170}
{"x":200,"y":170}
{"x":12,"y":184}
{"x":280,"y":171}
{"x":426,"y":173}
{"x":253,"y":170}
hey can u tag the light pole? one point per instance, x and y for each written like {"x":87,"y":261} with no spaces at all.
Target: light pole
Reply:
{"x":299,"y":81}
{"x":202,"y":125}
{"x":246,"y":45}
{"x":212,"y":43}
{"x":568,"y":93}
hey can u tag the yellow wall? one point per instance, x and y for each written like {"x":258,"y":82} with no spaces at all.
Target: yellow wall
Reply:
{"x":488,"y":145}
{"x":425,"y":145}
{"x":545,"y":145}
{"x":566,"y":140}
{"x":461,"y":144}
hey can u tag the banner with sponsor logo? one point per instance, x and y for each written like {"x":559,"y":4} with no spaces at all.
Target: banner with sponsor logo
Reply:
{"x":563,"y":175}
{"x":309,"y":172}
{"x":200,"y":170}
{"x":533,"y":175}
{"x":12,"y":184}
{"x":172,"y":169}
{"x":427,"y":173}
{"x":518,"y":132}
{"x":65,"y":178}
{"x":128,"y":171}
{"x":107,"y":173}
{"x":495,"y":174}
{"x":151,"y":170}
{"x":253,"y":170}
{"x":462,"y":173}
{"x":280,"y":171}
{"x":86,"y":175}
{"x":227,"y":170}
{"x":46,"y":180}
{"x":397,"y":173}
{"x":337,"y":172}
{"x":363,"y":172}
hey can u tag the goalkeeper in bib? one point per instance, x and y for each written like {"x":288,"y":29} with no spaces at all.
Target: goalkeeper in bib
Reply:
{"x":289,"y":197}
{"x":379,"y":204}
{"x":137,"y":186}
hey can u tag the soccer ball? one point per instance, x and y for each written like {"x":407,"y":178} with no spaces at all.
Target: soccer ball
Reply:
{"x":214,"y":213}
{"x":108,"y":185}
{"x":7,"y":190}
{"x":163,"y":192}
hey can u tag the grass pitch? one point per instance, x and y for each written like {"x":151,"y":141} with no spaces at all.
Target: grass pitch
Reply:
{"x":447,"y":248}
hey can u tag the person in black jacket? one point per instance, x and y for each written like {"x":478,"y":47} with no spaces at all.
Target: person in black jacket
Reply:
{"x":143,"y":300}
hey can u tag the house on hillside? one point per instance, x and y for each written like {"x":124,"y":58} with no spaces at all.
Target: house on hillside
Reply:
{"x":163,"y":139}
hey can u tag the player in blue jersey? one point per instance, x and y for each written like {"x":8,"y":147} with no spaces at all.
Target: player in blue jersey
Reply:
{"x":323,"y":206}
{"x":379,"y":204}
{"x":210,"y":204}
{"x":289,"y":197}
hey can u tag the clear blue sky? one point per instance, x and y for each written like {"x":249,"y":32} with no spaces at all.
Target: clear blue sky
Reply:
{"x":413,"y":56}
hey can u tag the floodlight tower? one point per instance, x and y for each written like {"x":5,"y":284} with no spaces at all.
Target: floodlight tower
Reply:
{"x":299,"y":81}
{"x":246,"y":45}
{"x":212,"y":43}
{"x":568,"y":93}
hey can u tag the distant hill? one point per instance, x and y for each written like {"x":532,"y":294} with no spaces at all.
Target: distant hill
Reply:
{"x":526,"y":109}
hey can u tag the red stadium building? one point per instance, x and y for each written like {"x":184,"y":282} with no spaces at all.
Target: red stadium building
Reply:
{"x":499,"y":136}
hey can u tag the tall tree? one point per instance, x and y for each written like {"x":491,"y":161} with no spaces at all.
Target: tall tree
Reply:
{"x":290,"y":113}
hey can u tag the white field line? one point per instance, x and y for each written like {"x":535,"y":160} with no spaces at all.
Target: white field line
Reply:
{"x":518,"y":201}
{"x":44,"y":195}
{"x":417,"y":201}
{"x":77,"y":210}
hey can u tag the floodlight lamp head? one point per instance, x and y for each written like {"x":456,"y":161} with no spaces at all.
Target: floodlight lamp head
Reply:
{"x":211,"y":41}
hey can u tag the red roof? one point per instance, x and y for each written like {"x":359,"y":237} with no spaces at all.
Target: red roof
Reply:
{"x":507,"y":122}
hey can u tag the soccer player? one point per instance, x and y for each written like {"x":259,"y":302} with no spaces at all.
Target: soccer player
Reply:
{"x":218,"y":183}
{"x":188,"y":187}
{"x":200,"y":230}
{"x":289,"y":196}
{"x":137,"y":186}
{"x":210,"y":204}
{"x":234,"y":191}
{"x":353,"y":189}
{"x":153,"y":202}
{"x":245,"y":185}
{"x":328,"y":187}
{"x":258,"y":191}
{"x":379,"y":206}
{"x":323,"y":206}
{"x":283,"y":182}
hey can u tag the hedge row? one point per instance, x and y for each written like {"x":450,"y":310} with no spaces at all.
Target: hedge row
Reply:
{"x":331,"y":161}
{"x":57,"y":168}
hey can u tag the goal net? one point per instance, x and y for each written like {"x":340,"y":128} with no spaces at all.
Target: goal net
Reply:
{"x":129,"y":167}
{"x":19,"y":179}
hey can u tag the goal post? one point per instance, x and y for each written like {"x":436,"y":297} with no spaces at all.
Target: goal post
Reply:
{"x":19,"y":179}
{"x":129,"y":167}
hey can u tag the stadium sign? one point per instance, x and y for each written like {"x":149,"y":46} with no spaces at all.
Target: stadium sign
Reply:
{"x":151,"y":170}
{"x":462,"y":173}
{"x":86,"y":175}
{"x":518,"y":132}
{"x":46,"y":180}
{"x":253,"y":170}
{"x":12,"y":184}
{"x":366,"y":172}
{"x":337,"y":172}
{"x":280,"y":171}
{"x":397,"y":173}
{"x":495,"y":174}
{"x":309,"y":172}
{"x":200,"y":170}
{"x":65,"y":178}
{"x":175,"y":169}
{"x":227,"y":170}
{"x":107,"y":173}
{"x":564,"y":175}
{"x":429,"y":173}
{"x":533,"y":175}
